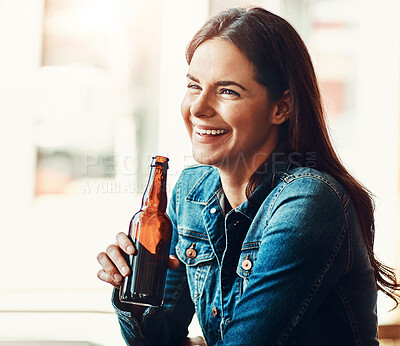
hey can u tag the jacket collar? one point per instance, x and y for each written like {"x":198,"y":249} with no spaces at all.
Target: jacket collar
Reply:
{"x":206,"y":187}
{"x":209,"y":186}
{"x":269,"y":180}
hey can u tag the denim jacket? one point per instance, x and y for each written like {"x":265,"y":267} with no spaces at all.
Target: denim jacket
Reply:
{"x":287,"y":267}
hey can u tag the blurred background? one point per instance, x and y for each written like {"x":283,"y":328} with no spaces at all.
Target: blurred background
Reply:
{"x":91,"y":89}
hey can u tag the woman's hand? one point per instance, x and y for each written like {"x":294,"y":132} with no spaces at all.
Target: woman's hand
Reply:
{"x":196,"y":341}
{"x":114,"y":264}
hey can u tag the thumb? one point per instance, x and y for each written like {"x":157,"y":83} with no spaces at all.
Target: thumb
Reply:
{"x":173,"y":262}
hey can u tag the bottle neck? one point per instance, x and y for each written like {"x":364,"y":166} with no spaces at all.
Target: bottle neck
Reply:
{"x":155,"y":195}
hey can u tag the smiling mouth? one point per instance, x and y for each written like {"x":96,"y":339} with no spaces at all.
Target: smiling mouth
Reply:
{"x":213,"y":132}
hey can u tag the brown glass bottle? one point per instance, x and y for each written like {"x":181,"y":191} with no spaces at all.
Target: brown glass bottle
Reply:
{"x":150,"y":230}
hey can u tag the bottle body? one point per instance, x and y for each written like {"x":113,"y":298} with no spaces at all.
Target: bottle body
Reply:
{"x":150,"y":231}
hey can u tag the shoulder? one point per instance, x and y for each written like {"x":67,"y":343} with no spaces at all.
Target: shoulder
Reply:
{"x":308,"y":200}
{"x":307,"y":191}
{"x":304,"y":180}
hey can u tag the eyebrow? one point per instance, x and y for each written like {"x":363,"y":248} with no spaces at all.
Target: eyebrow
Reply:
{"x":218,"y":83}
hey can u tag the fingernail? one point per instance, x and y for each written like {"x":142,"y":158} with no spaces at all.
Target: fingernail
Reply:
{"x":130,"y":249}
{"x":117,"y":277}
{"x":124,"y":270}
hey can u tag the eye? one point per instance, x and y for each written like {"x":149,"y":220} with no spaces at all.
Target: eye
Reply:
{"x":231,"y":92}
{"x":193,"y":86}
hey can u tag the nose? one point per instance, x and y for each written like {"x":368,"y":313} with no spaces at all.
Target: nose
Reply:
{"x":202,"y":106}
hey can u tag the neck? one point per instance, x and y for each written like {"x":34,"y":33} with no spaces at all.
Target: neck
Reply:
{"x":234,"y":180}
{"x":234,"y":189}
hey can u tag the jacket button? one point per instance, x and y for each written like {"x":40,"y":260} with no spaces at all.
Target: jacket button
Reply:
{"x":191,"y":252}
{"x":246,"y":264}
{"x":214,"y":311}
{"x":213,"y":210}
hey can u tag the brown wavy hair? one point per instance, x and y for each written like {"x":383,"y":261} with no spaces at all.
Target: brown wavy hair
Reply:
{"x":282,"y":62}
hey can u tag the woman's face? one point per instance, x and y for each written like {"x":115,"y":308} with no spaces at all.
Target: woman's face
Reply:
{"x":227,"y":113}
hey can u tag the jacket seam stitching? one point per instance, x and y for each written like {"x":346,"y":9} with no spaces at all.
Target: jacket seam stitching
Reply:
{"x":349,"y":240}
{"x":199,"y":258}
{"x":251,"y":246}
{"x":194,"y":234}
{"x":314,"y":289}
{"x":197,"y":182}
{"x":288,"y":178}
{"x":178,"y":196}
{"x":349,"y":313}
{"x":292,"y":179}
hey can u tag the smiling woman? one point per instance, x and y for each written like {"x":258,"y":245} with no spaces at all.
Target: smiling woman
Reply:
{"x":265,"y":249}
{"x":224,"y":96}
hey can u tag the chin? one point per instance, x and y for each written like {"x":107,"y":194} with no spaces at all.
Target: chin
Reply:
{"x":205,"y":158}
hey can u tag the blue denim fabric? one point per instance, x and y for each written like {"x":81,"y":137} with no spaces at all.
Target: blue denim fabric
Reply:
{"x":308,"y":278}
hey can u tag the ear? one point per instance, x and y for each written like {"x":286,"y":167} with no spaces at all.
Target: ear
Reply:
{"x":283,"y":109}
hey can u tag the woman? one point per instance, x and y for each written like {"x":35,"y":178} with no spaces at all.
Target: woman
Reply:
{"x":273,"y":238}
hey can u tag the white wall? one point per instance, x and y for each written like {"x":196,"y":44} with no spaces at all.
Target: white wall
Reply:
{"x":20,"y":42}
{"x":378,"y":123}
{"x":180,"y":20}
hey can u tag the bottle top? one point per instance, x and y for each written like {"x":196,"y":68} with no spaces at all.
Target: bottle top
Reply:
{"x":159,"y":160}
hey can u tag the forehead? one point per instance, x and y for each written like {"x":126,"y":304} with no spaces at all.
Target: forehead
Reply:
{"x":218,"y":59}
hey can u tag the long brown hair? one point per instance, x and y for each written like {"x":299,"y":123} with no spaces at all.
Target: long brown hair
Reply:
{"x":282,"y":62}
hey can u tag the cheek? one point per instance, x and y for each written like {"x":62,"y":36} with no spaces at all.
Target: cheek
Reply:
{"x":240,"y":118}
{"x":185,"y":107}
{"x":185,"y":111}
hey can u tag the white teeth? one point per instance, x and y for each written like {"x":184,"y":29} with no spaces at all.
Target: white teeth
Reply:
{"x":208,"y":132}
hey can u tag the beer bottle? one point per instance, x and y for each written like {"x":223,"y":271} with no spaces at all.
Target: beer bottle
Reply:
{"x":150,"y":231}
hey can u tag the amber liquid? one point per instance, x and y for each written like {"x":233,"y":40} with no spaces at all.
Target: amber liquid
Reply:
{"x":145,"y":285}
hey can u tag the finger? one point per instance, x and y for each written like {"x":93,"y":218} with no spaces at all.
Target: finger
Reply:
{"x":198,"y":341}
{"x":173,"y":262}
{"x":104,"y":276}
{"x":114,"y":253}
{"x":109,"y":267}
{"x":125,"y":243}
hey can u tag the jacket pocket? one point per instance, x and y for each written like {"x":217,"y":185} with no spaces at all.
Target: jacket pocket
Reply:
{"x":247,"y":259}
{"x":194,"y":250}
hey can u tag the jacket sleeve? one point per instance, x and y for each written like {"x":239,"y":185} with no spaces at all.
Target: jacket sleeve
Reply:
{"x":168,"y":324}
{"x":297,"y":264}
